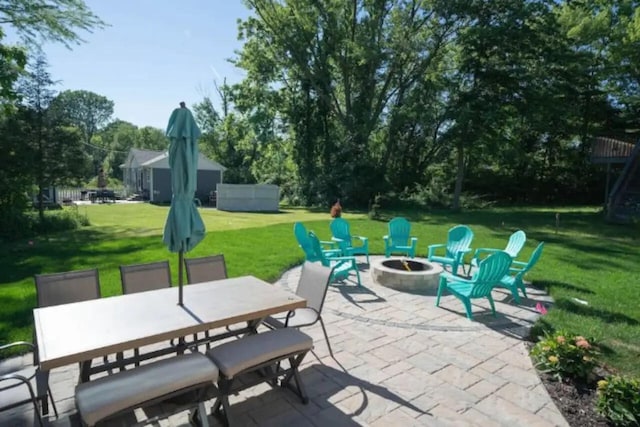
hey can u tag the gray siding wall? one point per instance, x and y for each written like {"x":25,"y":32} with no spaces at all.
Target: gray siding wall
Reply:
{"x":162,"y":185}
{"x":207,"y":181}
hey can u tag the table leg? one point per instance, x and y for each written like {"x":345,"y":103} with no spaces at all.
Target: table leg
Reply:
{"x":85,"y":371}
{"x":42,"y":389}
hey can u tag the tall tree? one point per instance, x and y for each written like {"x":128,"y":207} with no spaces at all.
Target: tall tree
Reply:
{"x":36,"y":21}
{"x":89,"y":112}
{"x":57,"y":153}
{"x":341,"y":66}
{"x":49,"y":20}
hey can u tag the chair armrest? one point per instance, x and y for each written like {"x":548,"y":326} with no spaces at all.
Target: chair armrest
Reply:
{"x":17,"y":344}
{"x":361,"y":238}
{"x":432,"y":249}
{"x":342,"y":258}
{"x":480,"y":251}
{"x":331,"y":244}
{"x":452,"y":277}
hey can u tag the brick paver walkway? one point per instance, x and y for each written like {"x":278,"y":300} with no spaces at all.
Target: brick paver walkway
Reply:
{"x":398,"y":361}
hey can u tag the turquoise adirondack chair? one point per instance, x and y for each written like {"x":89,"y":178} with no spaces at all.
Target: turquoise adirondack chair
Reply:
{"x":330,"y":249}
{"x":341,"y":234}
{"x":490,"y":271}
{"x":458,"y":245}
{"x":515,"y":282}
{"x":342,"y":265}
{"x":514,"y":246}
{"x":399,"y":238}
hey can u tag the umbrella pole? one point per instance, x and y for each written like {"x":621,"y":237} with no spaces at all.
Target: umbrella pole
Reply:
{"x":180,"y":267}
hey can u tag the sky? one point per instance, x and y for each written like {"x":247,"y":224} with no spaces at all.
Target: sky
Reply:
{"x":154,"y":54}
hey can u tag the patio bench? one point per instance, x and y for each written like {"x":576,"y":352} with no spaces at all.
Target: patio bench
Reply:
{"x":145,"y":385}
{"x":260,"y":354}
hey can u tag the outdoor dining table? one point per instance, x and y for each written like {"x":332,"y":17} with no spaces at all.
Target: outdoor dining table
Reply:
{"x":79,"y":332}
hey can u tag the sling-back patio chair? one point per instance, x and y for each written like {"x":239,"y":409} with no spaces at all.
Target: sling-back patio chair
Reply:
{"x":21,"y":384}
{"x":312,"y":286}
{"x":205,"y":269}
{"x":63,"y":288}
{"x":142,"y":278}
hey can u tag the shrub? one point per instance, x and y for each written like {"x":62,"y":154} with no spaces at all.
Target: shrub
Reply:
{"x":63,"y":220}
{"x":619,"y":400}
{"x":565,"y":356}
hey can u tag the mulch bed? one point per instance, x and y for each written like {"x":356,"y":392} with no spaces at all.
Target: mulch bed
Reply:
{"x":577,"y":402}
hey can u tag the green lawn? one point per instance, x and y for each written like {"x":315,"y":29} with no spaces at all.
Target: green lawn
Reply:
{"x":584,"y":258}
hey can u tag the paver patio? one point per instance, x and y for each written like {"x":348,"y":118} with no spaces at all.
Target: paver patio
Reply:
{"x":399,"y":361}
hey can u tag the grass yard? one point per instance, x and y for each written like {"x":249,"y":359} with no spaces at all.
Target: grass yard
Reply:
{"x":584,"y":259}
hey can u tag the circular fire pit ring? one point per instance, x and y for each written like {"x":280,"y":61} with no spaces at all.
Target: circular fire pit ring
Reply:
{"x":404,"y":274}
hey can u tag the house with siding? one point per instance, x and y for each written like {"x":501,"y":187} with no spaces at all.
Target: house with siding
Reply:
{"x":147,"y":173}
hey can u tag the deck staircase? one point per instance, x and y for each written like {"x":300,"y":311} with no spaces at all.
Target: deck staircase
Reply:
{"x":624,"y":200}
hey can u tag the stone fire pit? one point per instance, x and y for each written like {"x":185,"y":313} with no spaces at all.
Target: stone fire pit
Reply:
{"x":423,"y":276}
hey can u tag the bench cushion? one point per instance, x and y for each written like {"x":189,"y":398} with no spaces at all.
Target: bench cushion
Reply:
{"x":237,"y":356}
{"x":103,"y":397}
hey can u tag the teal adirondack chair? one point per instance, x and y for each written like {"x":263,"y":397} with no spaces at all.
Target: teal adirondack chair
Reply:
{"x":490,"y":271}
{"x":342,"y":265}
{"x":514,"y":246}
{"x":399,"y":238}
{"x":458,"y":245}
{"x":515,"y":282}
{"x":330,"y":249}
{"x":341,"y":234}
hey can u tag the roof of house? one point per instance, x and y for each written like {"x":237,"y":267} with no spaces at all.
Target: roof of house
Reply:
{"x":142,"y":156}
{"x":161,"y":161}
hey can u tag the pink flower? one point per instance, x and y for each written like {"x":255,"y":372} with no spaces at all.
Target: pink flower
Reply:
{"x":560,"y":339}
{"x":583,"y":344}
{"x":30,"y":242}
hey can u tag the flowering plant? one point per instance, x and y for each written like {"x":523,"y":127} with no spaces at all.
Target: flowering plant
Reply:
{"x":564,"y":355}
{"x":619,"y":400}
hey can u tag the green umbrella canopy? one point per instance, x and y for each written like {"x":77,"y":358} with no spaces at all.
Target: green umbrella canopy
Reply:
{"x":184,"y":228}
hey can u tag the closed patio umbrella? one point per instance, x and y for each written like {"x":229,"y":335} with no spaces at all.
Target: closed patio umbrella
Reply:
{"x":184,"y":228}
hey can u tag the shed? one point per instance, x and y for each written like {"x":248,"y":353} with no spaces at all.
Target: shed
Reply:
{"x":248,"y":197}
{"x":147,"y":173}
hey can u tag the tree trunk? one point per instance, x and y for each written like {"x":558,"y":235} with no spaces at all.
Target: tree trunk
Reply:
{"x":455,"y":205}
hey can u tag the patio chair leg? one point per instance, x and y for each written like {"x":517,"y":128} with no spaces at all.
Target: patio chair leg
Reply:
{"x":467,"y":307}
{"x":441,"y":286}
{"x":326,"y":337}
{"x":53,"y":404}
{"x":493,"y":306}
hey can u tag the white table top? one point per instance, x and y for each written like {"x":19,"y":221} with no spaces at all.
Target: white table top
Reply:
{"x":76,"y":332}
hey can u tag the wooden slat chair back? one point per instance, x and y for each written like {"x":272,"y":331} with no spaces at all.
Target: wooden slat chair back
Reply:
{"x":341,"y":233}
{"x":515,"y":280}
{"x":399,"y":238}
